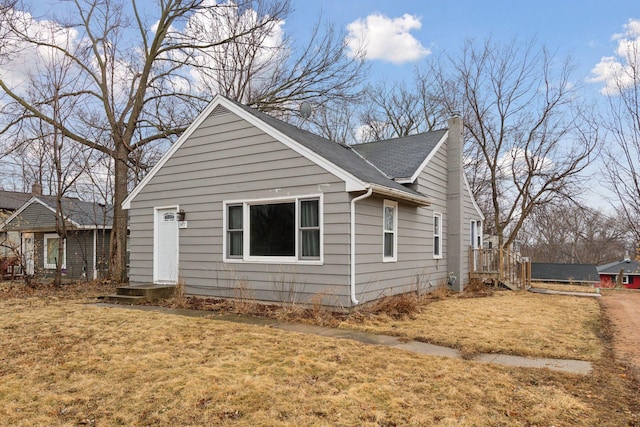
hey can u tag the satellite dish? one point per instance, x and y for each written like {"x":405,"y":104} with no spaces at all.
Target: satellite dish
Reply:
{"x":305,"y":110}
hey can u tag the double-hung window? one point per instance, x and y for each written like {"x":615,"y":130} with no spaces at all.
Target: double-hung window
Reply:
{"x":437,"y":235}
{"x":476,"y":234}
{"x":389,"y":231}
{"x":282,"y":230}
{"x":51,"y":245}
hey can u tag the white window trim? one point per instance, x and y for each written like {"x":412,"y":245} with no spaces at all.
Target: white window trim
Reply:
{"x":64,"y":253}
{"x":625,"y":279}
{"x":246,"y":258}
{"x":476,"y":234}
{"x":394,"y":205}
{"x":439,"y":235}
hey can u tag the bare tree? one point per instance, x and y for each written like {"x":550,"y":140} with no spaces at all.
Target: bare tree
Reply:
{"x":528,"y":138}
{"x":65,"y":156}
{"x":570,"y":233}
{"x":622,"y":166}
{"x":145,"y":76}
{"x":402,"y":110}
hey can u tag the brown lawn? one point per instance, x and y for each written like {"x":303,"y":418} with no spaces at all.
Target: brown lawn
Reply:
{"x":66,"y":362}
{"x":507,"y":322}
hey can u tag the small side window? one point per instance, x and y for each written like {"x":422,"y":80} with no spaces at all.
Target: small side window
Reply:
{"x":437,"y":235}
{"x":389,"y":231}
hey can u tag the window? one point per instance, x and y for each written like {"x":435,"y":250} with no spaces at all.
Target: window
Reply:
{"x":437,"y":235}
{"x":389,"y":227}
{"x":51,"y":245}
{"x":476,"y":234}
{"x":625,"y":280}
{"x":310,"y":229}
{"x":273,"y":230}
{"x":234,"y":231}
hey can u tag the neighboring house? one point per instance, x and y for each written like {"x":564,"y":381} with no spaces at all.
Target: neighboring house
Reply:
{"x":10,"y":201}
{"x":86,"y":248}
{"x":246,"y":205}
{"x":564,"y":273}
{"x":630,"y":272}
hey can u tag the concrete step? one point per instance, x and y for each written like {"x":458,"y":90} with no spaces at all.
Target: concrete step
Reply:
{"x":139,"y":294}
{"x":124,"y":299}
{"x":150,"y":292}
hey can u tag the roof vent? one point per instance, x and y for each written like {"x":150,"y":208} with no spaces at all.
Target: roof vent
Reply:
{"x":626,"y":257}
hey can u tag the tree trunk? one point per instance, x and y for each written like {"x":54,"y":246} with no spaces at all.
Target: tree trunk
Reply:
{"x":57,"y":279}
{"x":118,"y":242}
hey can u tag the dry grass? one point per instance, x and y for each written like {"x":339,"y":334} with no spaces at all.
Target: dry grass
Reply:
{"x":66,"y":363}
{"x":507,"y":322}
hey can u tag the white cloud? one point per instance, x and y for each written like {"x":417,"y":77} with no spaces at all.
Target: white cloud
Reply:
{"x":385,"y":38}
{"x":21,"y":59}
{"x":616,"y":72}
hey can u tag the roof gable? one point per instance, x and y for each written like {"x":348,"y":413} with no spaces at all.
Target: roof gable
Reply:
{"x":339,"y":159}
{"x":80,"y":214}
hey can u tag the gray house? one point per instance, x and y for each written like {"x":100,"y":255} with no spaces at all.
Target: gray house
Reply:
{"x":246,"y":205}
{"x":86,"y":249}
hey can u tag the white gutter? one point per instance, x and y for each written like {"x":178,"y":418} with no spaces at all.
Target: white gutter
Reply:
{"x":353,"y":244}
{"x":402,"y":195}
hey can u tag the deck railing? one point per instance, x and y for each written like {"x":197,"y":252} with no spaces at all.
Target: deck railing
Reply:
{"x":500,"y":266}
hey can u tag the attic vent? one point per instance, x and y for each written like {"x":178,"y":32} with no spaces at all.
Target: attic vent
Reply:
{"x":218,"y":111}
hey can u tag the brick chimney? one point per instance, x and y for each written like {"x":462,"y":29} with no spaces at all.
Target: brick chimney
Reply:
{"x":36,"y":189}
{"x":455,"y":208}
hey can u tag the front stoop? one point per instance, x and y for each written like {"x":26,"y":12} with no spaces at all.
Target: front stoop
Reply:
{"x":140,"y":294}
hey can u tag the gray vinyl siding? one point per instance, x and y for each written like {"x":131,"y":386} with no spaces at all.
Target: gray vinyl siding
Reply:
{"x":228,"y":159}
{"x":415,"y":268}
{"x":79,"y":255}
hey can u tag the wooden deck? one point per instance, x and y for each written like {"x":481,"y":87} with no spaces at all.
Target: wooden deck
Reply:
{"x":500,"y":267}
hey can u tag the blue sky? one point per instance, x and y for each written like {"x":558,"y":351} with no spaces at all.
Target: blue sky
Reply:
{"x":583,"y":29}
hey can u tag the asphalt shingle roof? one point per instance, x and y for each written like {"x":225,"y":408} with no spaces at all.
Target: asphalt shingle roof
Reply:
{"x":401,"y":157}
{"x":349,"y":157}
{"x":564,"y":272}
{"x":12,"y":200}
{"x":83,"y":213}
{"x":630,"y":267}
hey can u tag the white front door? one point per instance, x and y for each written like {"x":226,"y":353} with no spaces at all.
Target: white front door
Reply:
{"x":28,"y":249}
{"x":166,"y":246}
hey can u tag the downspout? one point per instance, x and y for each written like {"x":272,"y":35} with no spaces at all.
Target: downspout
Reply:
{"x":353,"y":244}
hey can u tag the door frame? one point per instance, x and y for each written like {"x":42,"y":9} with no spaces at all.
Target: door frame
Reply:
{"x":30,"y":260}
{"x":156,"y":218}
